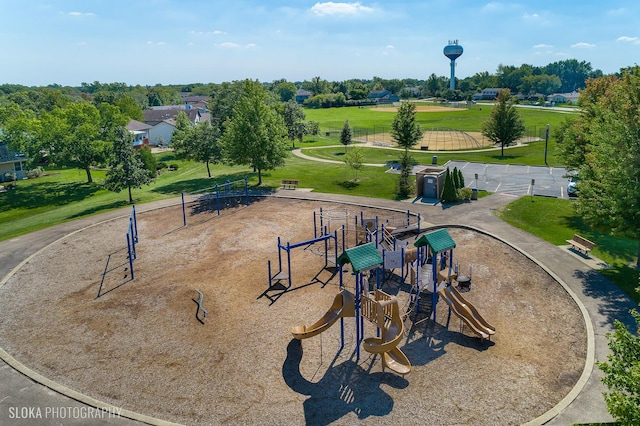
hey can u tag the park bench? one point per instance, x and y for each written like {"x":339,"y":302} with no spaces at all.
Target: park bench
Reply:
{"x":289,"y":184}
{"x":581,"y":244}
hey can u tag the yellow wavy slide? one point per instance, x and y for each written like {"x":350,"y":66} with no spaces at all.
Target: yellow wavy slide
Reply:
{"x":392,"y":333}
{"x":466,"y":312}
{"x":343,"y":306}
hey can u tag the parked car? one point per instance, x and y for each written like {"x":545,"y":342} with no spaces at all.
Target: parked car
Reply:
{"x":572,"y":190}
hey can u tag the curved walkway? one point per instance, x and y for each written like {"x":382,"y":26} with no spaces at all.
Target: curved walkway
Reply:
{"x":602,"y":300}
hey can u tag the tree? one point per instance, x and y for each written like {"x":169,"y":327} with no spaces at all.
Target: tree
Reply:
{"x":622,"y":373}
{"x":293,"y":116}
{"x":256,"y":134}
{"x":603,"y":146}
{"x":354,"y":160}
{"x":180,"y":136}
{"x":346,"y":135}
{"x":78,"y":135}
{"x":505,"y":126}
{"x":456,"y":178}
{"x":286,"y":90}
{"x":204,"y":145}
{"x":449,"y":193}
{"x":148,"y":160}
{"x":406,"y":132}
{"x":127,"y":169}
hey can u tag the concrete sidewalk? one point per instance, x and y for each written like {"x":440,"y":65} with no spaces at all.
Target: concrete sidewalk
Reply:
{"x":602,"y":301}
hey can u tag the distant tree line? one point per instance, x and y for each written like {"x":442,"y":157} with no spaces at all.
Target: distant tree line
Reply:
{"x":558,"y":77}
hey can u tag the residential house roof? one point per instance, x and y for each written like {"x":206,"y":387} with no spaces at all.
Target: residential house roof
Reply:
{"x":137,"y":126}
{"x":152,"y":116}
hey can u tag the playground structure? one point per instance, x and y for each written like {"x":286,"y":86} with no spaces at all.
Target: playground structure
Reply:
{"x":377,"y":250}
{"x":212,"y":198}
{"x":378,"y":307}
{"x":437,"y":246}
{"x":275,"y":279}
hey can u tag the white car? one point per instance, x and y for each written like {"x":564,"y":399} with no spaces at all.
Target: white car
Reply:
{"x":572,"y":191}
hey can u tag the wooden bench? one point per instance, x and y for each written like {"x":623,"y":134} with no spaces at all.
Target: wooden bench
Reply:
{"x":581,"y":244}
{"x":289,"y":184}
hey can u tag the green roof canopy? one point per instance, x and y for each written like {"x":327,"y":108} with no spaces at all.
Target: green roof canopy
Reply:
{"x":438,"y":241}
{"x":362,"y":257}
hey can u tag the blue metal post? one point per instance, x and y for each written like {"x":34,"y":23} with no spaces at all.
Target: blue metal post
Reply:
{"x":217,"y":199}
{"x":434,"y":296}
{"x":246,"y":189}
{"x":130,"y":255}
{"x":135,"y":221}
{"x":133,"y":241}
{"x":184,"y":212}
{"x":289,"y":263}
{"x":358,"y":280}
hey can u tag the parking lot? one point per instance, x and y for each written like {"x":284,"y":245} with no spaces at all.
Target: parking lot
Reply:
{"x":514,"y":179}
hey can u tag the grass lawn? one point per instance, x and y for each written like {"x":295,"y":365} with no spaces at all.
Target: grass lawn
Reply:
{"x":531,"y":154}
{"x":554,"y":220}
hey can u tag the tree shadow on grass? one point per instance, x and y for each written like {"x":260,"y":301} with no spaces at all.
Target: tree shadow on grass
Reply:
{"x":47,"y":194}
{"x":348,"y":184}
{"x":192,"y":185}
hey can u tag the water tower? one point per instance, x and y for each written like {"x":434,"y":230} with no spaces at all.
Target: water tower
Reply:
{"x":453,"y":51}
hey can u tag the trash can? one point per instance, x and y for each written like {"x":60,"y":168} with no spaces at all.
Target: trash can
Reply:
{"x":434,"y":160}
{"x":474,"y":193}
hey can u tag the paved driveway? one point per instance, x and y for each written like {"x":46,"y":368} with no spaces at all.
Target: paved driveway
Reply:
{"x":514,"y":179}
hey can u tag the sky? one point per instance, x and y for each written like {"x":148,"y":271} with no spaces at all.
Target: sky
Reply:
{"x":150,"y":42}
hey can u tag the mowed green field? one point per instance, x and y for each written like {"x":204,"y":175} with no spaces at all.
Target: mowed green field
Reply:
{"x":468,"y":120}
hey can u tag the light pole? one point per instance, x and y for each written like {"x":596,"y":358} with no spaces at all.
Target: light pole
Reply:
{"x":546,"y":144}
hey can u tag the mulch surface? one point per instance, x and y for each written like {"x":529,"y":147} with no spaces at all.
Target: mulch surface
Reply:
{"x":73,"y":314}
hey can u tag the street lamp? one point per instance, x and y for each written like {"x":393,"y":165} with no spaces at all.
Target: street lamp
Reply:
{"x":546,"y":144}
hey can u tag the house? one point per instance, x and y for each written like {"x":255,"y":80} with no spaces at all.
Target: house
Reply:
{"x":162,"y":123}
{"x":196,"y":102}
{"x":564,"y":98}
{"x":155,"y":116}
{"x":383,"y":96}
{"x":302,"y":95}
{"x":11,"y":164}
{"x":488,"y":94}
{"x":160,"y":134}
{"x":140,"y":132}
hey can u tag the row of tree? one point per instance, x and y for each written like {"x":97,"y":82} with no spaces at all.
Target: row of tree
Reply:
{"x":562,"y":76}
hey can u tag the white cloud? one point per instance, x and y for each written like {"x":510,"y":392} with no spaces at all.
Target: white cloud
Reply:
{"x":617,"y":12}
{"x":156,"y":43}
{"x":207,"y":33}
{"x":531,"y":16}
{"x":627,"y":39}
{"x":231,"y":45}
{"x":583,"y":45}
{"x":542,"y":46}
{"x":331,"y":8}
{"x":81,"y":14}
{"x":390,"y":46}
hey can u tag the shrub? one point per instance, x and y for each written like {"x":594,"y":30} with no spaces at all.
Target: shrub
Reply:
{"x":173,"y":167}
{"x":464,"y":193}
{"x":35,"y":172}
